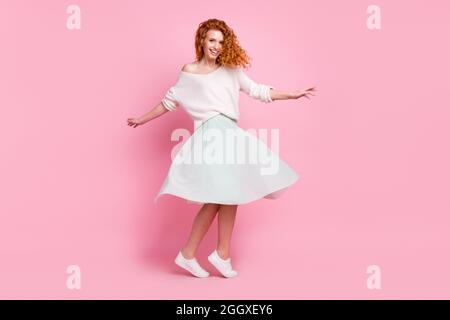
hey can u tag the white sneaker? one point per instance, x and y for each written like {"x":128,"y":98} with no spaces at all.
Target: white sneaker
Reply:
{"x":191,"y":265}
{"x":224,"y":266}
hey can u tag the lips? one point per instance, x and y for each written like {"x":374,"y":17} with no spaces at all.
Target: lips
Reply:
{"x":214,"y":53}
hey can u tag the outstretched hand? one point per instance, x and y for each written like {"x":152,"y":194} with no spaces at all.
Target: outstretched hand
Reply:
{"x":134,"y":122}
{"x":304,"y":93}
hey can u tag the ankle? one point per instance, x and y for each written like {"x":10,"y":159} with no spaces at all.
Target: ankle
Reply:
{"x":187,"y":254}
{"x":223,"y":254}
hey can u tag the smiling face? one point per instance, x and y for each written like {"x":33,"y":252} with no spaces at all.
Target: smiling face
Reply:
{"x":212,"y":46}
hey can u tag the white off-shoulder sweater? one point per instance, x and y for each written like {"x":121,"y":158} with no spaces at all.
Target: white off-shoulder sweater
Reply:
{"x":205,"y":95}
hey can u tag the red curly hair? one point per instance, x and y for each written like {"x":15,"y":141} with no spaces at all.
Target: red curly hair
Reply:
{"x":232,"y":54}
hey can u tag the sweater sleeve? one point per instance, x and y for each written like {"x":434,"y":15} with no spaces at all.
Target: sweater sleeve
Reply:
{"x":253,"y":89}
{"x":170,"y":101}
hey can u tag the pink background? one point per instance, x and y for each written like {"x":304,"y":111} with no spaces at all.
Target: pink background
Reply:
{"x":371,"y":148}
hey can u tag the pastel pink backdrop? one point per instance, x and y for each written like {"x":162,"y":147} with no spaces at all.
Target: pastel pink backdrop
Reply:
{"x":371,"y":149}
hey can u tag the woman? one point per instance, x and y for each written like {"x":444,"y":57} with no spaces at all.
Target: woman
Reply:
{"x":208,"y":90}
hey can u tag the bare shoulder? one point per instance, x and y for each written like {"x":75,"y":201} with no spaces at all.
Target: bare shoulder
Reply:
{"x":189,"y":67}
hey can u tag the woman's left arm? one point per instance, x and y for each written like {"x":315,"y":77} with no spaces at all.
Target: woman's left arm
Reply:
{"x":268,"y":93}
{"x":276,"y":94}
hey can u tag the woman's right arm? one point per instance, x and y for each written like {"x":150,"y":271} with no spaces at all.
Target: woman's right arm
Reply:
{"x":168,"y":103}
{"x":152,"y":114}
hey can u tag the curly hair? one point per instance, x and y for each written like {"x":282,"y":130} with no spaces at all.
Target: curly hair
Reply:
{"x":232,"y":54}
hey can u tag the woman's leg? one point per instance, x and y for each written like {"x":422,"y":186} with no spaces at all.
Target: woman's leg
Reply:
{"x":200,"y":225}
{"x":227,"y":215}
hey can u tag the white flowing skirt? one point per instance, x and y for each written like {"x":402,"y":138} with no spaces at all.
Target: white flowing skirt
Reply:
{"x":222,"y":163}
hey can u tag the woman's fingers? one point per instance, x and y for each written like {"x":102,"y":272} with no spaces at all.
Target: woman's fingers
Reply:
{"x":306,"y":94}
{"x":132,"y":122}
{"x":309,"y":91}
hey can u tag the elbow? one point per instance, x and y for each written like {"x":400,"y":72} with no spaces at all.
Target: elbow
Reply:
{"x":169,"y":105}
{"x":269,"y":97}
{"x":266,"y":94}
